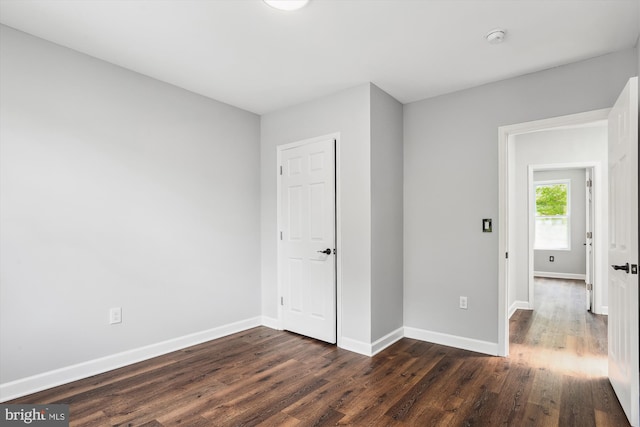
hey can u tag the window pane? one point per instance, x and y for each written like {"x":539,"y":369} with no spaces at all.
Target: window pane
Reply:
{"x":551,"y":199}
{"x":551,"y":233}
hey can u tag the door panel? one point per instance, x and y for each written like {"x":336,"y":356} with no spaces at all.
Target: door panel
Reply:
{"x":624,"y":360}
{"x":307,"y":222}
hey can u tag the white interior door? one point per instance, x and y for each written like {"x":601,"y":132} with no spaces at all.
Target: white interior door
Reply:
{"x":307,"y":245}
{"x":589,"y":214}
{"x":624,"y":363}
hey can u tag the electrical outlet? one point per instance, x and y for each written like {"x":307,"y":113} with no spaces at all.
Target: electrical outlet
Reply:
{"x":463,"y":303}
{"x":115,"y":315}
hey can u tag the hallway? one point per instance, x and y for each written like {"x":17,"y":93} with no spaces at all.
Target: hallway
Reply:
{"x":567,"y":347}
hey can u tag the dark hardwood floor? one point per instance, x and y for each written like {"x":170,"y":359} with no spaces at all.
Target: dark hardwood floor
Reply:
{"x":555,"y":376}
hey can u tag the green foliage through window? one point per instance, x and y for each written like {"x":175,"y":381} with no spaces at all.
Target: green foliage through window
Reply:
{"x":552,"y":216}
{"x":551,"y":200}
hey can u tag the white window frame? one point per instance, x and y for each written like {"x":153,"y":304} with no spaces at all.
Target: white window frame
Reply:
{"x":566,"y":182}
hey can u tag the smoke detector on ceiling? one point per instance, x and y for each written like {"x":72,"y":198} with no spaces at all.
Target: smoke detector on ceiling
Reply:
{"x":495,"y":36}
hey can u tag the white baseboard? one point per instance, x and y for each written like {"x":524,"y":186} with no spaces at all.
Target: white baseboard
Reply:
{"x":387,"y":340}
{"x":374,"y":348}
{"x":553,"y":275}
{"x":604,"y":309}
{"x":519,"y":305}
{"x":45,"y":380}
{"x":271,"y":322}
{"x":355,"y":346}
{"x":452,"y":340}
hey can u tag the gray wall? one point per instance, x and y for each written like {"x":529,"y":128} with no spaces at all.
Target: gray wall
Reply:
{"x":386,"y":214}
{"x":346,"y":112}
{"x":572,"y":261}
{"x":117,"y":190}
{"x":451,"y":180}
{"x":369,"y":122}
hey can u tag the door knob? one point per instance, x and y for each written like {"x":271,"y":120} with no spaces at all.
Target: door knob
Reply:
{"x":326,"y":251}
{"x":625,"y":267}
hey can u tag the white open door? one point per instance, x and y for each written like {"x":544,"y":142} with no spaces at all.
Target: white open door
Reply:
{"x":624,"y":365}
{"x":307,"y":270}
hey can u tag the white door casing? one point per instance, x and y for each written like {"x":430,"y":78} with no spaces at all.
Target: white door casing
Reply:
{"x":624,"y":363}
{"x":306,"y":222}
{"x":589,"y":207}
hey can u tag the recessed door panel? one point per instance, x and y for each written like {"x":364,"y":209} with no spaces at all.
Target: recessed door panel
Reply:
{"x":295,"y":275}
{"x":317,"y":199}
{"x":295,"y":213}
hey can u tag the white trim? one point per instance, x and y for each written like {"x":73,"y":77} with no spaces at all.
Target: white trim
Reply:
{"x":271,"y":322}
{"x":604,"y":310}
{"x":504,"y":134}
{"x":531,"y":228}
{"x":470,"y":344}
{"x":46,"y":380}
{"x":355,"y":346}
{"x":503,"y":242}
{"x":519,"y":305}
{"x":338,"y":196}
{"x":391,"y":338}
{"x":375,"y":347}
{"x":554,"y":275}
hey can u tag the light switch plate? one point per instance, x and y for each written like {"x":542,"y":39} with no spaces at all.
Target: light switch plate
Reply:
{"x":115,"y":315}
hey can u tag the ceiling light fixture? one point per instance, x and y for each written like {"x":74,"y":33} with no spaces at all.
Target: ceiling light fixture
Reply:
{"x":495,"y":36}
{"x":287,"y":5}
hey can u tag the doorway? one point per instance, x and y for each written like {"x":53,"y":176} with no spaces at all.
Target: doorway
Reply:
{"x":513,"y":239}
{"x":561,"y":215}
{"x":618,"y":244}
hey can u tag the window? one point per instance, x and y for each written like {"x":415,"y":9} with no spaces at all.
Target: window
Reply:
{"x":552,"y":217}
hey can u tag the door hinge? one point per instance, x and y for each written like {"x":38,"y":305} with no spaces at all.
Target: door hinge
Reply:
{"x":506,"y":255}
{"x":281,"y":300}
{"x":589,"y":234}
{"x":589,"y":184}
{"x":280,"y":170}
{"x":589,"y":286}
{"x":281,"y":235}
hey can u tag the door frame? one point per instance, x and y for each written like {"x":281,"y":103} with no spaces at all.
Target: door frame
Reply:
{"x":589,"y":203}
{"x":505,"y":138}
{"x":338,"y":228}
{"x":598,"y":224}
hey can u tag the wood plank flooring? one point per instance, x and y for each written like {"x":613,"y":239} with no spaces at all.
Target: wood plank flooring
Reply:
{"x":555,"y":376}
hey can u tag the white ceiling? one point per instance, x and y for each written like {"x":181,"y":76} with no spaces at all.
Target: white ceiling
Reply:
{"x":250,"y":55}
